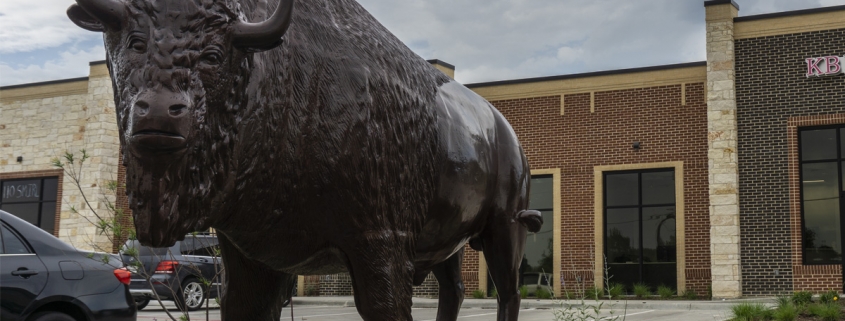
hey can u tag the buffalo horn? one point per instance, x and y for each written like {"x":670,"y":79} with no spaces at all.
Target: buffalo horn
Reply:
{"x":109,"y":12}
{"x":264,"y":35}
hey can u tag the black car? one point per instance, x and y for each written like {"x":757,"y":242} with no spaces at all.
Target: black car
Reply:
{"x":188,"y":272}
{"x":45,"y":279}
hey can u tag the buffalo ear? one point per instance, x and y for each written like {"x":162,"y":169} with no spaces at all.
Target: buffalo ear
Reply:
{"x":83,"y":19}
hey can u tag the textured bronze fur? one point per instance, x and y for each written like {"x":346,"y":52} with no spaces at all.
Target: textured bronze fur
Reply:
{"x":337,"y":149}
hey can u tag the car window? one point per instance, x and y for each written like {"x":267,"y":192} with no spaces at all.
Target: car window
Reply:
{"x":200,"y":246}
{"x":544,"y":280}
{"x":1,"y":242}
{"x":12,"y":244}
{"x":145,"y":250}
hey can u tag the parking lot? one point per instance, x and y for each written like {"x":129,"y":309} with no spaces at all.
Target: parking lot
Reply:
{"x":325,"y":313}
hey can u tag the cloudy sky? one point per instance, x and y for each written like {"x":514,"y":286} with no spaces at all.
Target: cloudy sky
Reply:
{"x":487,"y":40}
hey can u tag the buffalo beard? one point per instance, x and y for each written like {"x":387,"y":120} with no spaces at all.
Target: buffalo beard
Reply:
{"x":173,"y":196}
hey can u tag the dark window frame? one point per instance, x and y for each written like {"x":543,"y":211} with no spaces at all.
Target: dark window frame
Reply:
{"x":639,"y":208}
{"x":840,"y":162}
{"x":41,"y":200}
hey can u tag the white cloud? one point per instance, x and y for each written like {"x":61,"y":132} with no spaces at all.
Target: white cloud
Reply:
{"x":70,"y":64}
{"x":569,"y":54}
{"x":487,"y":40}
{"x":830,"y":3}
{"x":27,"y":25}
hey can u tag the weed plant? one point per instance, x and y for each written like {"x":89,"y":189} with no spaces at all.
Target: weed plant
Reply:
{"x":523,"y":292}
{"x":478,"y":294}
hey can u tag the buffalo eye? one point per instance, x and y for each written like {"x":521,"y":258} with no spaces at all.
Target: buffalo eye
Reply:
{"x":137,"y":44}
{"x":211,"y":58}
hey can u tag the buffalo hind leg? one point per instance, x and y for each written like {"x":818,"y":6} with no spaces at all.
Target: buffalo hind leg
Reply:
{"x":382,"y":274}
{"x":448,"y":274}
{"x":503,"y":242}
{"x":251,"y":290}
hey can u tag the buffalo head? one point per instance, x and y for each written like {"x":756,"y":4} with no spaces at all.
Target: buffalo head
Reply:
{"x":178,"y":69}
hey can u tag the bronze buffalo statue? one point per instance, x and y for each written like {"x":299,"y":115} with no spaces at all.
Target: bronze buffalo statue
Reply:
{"x":314,"y":142}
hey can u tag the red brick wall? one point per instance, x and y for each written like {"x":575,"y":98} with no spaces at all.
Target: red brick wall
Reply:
{"x":581,"y":140}
{"x":41,"y":174}
{"x":469,"y":271}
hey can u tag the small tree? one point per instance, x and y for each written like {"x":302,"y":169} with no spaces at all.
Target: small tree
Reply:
{"x":116,"y":225}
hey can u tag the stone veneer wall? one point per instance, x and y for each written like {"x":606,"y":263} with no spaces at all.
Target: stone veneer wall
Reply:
{"x":42,"y":127}
{"x":774,"y":99}
{"x":722,"y":150}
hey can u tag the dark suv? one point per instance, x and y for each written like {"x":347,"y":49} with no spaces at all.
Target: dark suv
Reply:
{"x":188,"y":272}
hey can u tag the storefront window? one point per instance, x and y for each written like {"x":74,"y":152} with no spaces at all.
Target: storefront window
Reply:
{"x":822,"y":170}
{"x":31,"y":199}
{"x":539,"y":247}
{"x":639,"y":234}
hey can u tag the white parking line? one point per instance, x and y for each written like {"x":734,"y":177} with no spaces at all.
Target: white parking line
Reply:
{"x":477,"y":315}
{"x":626,"y":315}
{"x":305,"y":317}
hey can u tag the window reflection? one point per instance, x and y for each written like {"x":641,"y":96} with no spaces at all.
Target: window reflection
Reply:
{"x":822,"y":174}
{"x":538,"y":259}
{"x":818,"y":144}
{"x":640,"y":232}
{"x":822,"y":242}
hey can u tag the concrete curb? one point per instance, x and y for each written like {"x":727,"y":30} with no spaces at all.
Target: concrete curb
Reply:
{"x":348,"y":301}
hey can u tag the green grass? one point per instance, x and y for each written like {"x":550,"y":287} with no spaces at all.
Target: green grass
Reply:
{"x":616,"y":290}
{"x":751,"y":312}
{"x":690,"y":295}
{"x":542,"y":293}
{"x":827,"y":312}
{"x":523,"y":292}
{"x":785,"y":312}
{"x":829,"y":297}
{"x":593,"y":293}
{"x":665,"y":292}
{"x":478,"y":294}
{"x":802,"y":298}
{"x":641,"y":290}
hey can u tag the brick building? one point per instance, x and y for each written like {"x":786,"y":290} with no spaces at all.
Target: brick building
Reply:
{"x":724,"y":175}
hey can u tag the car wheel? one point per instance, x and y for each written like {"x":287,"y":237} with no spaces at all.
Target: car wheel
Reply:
{"x":51,"y":316}
{"x":193,"y":295}
{"x":140,"y":304}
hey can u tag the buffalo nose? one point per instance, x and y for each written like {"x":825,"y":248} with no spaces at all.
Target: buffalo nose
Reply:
{"x":161,"y":105}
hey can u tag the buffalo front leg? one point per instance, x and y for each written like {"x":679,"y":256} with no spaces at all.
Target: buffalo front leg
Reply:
{"x":251,"y":290}
{"x":448,"y":274}
{"x":382,"y":275}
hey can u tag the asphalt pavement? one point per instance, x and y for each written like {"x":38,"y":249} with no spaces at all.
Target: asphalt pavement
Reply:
{"x":342,"y":309}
